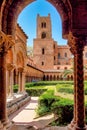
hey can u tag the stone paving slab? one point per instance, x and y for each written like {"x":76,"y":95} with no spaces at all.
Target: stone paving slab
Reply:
{"x":25,"y":118}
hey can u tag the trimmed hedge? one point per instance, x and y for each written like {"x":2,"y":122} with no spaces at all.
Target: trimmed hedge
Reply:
{"x":35,"y":92}
{"x":61,"y":107}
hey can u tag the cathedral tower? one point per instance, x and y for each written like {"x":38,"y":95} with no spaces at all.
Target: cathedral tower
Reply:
{"x":44,"y":27}
{"x":44,"y":44}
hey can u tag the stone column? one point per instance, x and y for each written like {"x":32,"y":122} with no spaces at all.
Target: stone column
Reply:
{"x":11,"y":83}
{"x":73,"y":122}
{"x":16,"y":77}
{"x":80,"y":89}
{"x":77,"y":43}
{"x":10,"y":79}
{"x":3,"y":114}
{"x":20,"y":80}
{"x":7,"y":82}
{"x":23,"y":82}
{"x":6,"y":43}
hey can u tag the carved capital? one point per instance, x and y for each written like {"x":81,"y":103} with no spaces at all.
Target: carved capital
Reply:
{"x":6,"y":42}
{"x":76,"y":43}
{"x":10,"y":66}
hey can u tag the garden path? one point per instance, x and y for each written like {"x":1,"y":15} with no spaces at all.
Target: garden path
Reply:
{"x":24,"y":119}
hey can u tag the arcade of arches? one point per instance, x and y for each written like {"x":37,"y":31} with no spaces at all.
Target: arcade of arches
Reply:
{"x":14,"y":66}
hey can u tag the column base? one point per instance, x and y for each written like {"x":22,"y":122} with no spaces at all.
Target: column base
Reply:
{"x":5,"y":122}
{"x":71,"y":125}
{"x":1,"y":126}
{"x":78,"y":128}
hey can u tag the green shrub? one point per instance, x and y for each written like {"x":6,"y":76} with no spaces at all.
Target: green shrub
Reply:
{"x":47,"y":98}
{"x":65,"y":88}
{"x":15,"y":88}
{"x":35,"y":92}
{"x":40,"y":83}
{"x":61,"y":107}
{"x":42,"y":110}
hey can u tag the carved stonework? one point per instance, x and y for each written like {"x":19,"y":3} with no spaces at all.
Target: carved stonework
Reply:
{"x":10,"y":66}
{"x":77,"y":46}
{"x":76,"y":43}
{"x":6,"y":42}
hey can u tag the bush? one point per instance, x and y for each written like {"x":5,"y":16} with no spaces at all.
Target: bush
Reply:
{"x":65,"y":88}
{"x":61,"y":107}
{"x":35,"y":92}
{"x":47,"y":98}
{"x":64,"y":109}
{"x":15,"y":88}
{"x":40,"y":83}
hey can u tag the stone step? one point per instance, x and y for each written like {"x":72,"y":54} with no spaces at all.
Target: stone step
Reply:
{"x":26,"y":127}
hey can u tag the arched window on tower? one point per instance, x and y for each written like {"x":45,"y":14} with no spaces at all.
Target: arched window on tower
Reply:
{"x":43,"y":35}
{"x":43,"y":51}
{"x":65,"y":54}
{"x":42,"y":63}
{"x":43,"y":25}
{"x":58,"y":55}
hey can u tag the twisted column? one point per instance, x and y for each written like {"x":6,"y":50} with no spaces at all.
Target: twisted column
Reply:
{"x":77,"y":44}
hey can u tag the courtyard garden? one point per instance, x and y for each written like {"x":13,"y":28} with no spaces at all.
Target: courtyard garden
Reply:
{"x":54,"y":97}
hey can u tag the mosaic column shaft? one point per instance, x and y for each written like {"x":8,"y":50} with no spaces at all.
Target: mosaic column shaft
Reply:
{"x":75,"y":97}
{"x":80,"y":90}
{"x":77,"y":44}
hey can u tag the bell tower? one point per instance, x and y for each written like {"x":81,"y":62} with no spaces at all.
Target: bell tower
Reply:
{"x":44,"y":27}
{"x":43,"y":43}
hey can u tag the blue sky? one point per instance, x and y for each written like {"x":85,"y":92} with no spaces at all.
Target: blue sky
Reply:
{"x":27,"y":20}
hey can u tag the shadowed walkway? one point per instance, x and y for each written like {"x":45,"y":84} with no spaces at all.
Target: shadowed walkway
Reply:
{"x":24,"y":119}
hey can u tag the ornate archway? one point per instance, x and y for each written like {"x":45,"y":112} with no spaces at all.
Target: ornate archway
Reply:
{"x":74,"y":26}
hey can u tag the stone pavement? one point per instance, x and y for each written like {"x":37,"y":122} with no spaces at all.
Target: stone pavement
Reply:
{"x":24,"y":119}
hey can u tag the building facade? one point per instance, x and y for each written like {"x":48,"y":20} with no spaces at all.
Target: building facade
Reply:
{"x":52,"y":58}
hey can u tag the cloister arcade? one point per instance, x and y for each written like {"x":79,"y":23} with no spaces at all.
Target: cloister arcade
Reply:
{"x":74,"y":25}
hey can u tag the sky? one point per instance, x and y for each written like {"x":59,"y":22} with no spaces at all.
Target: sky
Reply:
{"x":28,"y":16}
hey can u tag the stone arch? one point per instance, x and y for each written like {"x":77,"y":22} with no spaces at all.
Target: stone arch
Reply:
{"x":50,"y":77}
{"x":44,"y":78}
{"x":13,"y":8}
{"x":71,"y":77}
{"x":57,"y":77}
{"x":9,"y":57}
{"x":68,"y":77}
{"x":20,"y":60}
{"x":47,"y":77}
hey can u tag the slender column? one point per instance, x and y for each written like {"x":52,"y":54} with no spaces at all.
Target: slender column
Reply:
{"x":75,"y":112}
{"x":11,"y":83}
{"x":73,"y":122}
{"x":7,"y":82}
{"x":77,"y":44}
{"x":19,"y":82}
{"x":80,"y":90}
{"x":6,"y":42}
{"x":16,"y":77}
{"x":3,"y":114}
{"x":23,"y":82}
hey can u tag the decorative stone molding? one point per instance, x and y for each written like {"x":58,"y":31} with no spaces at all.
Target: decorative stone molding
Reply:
{"x":76,"y":43}
{"x":10,"y":66}
{"x":6,"y":42}
{"x":20,"y":69}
